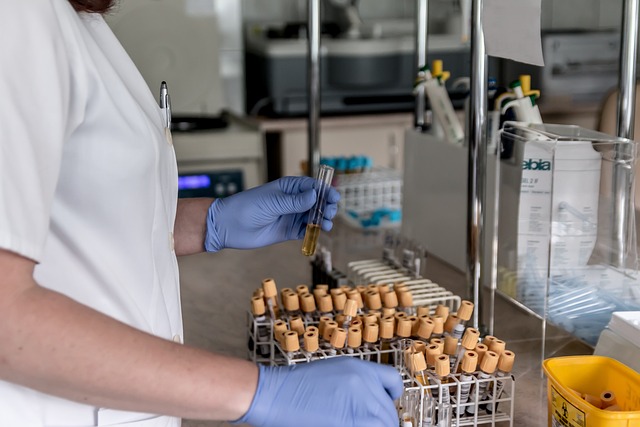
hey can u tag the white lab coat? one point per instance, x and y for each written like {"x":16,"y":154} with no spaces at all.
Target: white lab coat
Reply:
{"x":88,"y":187}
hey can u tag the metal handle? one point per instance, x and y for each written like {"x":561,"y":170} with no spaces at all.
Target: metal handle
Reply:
{"x":422,"y":23}
{"x":313,"y":76}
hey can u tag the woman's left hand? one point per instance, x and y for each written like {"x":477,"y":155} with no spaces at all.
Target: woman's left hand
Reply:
{"x":265,"y":215}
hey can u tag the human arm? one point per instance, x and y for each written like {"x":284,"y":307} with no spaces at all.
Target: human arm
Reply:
{"x":94,"y":359}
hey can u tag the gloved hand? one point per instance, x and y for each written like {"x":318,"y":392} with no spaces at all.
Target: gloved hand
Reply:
{"x":338,"y":392}
{"x":265,"y":215}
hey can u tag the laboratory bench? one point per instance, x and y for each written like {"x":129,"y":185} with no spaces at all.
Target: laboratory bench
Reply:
{"x":216,"y":292}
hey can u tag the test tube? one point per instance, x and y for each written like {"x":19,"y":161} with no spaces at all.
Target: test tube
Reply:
{"x":316,"y":214}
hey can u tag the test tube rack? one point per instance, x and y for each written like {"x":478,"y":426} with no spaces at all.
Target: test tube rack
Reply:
{"x":503,"y":401}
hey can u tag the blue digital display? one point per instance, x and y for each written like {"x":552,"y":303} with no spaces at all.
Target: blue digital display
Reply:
{"x":193,"y":182}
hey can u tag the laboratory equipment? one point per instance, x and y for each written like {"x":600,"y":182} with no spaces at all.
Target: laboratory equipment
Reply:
{"x":323,"y":183}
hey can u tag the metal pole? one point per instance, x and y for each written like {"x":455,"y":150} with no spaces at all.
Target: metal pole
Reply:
{"x":622,"y":185}
{"x":313,"y":77}
{"x":477,"y":139}
{"x":422,"y":23}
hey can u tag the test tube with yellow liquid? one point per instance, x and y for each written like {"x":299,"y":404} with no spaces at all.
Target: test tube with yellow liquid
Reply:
{"x":323,"y":183}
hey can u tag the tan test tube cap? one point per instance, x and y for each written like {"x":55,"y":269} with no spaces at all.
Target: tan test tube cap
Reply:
{"x":386,"y":328}
{"x":279,"y":328}
{"x":311,"y":341}
{"x":593,"y":400}
{"x":505,"y":363}
{"x":285,"y":291}
{"x":302,"y":289}
{"x":290,"y":301}
{"x":399,"y":287}
{"x":443,"y":367}
{"x":340,"y":318}
{"x":329,"y":328}
{"x":390,"y":300}
{"x":339,"y":300}
{"x":373,"y":288}
{"x":257,"y":306}
{"x":432,"y":352}
{"x":318,"y":293}
{"x":489,"y":362}
{"x":350,"y":308}
{"x":388,"y":312}
{"x":372,"y":300}
{"x":451,"y":322}
{"x":438,"y":322}
{"x":356,"y":323}
{"x":442,"y":310}
{"x":399,"y":315}
{"x":487,"y":340}
{"x":297,"y":325}
{"x":439,"y":342}
{"x":362,"y":289}
{"x":470,"y":338}
{"x":403,"y":329}
{"x":497,"y":346}
{"x":338,"y":338}
{"x":353,"y":294}
{"x":465,"y":310}
{"x":259,"y":293}
{"x":414,"y":324}
{"x":345,"y":288}
{"x":425,"y":329}
{"x":325,"y":303}
{"x":383,"y":288}
{"x":269,"y":287}
{"x":450,"y":345}
{"x":312,"y":329}
{"x":423,"y":310}
{"x":370,"y":332}
{"x":417,"y":362}
{"x":323,"y":321}
{"x":354,"y":338}
{"x":323,"y":287}
{"x":405,"y":298}
{"x":419,"y":346}
{"x":469,"y":362}
{"x":613,"y":408}
{"x":307,"y":303}
{"x":291,"y":342}
{"x":481,"y":349}
{"x":608,"y":399}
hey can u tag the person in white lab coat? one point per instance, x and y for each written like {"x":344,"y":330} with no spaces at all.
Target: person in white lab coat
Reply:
{"x":90,"y":226}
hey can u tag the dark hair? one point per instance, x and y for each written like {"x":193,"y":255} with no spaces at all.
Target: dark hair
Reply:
{"x":98,"y":6}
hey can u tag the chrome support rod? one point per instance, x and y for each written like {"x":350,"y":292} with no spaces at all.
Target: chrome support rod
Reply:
{"x":422,"y":23}
{"x":477,"y":143}
{"x":313,"y":80}
{"x":622,"y":186}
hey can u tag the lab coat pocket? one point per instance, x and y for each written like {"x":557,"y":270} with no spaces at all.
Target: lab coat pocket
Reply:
{"x":112,"y":418}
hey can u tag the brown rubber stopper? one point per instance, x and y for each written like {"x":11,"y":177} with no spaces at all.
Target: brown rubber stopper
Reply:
{"x":438,"y":322}
{"x":312,"y":329}
{"x":432,"y":352}
{"x":291,"y":301}
{"x":481,"y":349}
{"x":311,"y":341}
{"x":329,"y":328}
{"x":325,"y":303}
{"x":439,"y":342}
{"x":465,"y":310}
{"x":470,"y":338}
{"x":338,"y":337}
{"x":390,"y":300}
{"x":370,"y":332}
{"x":297,"y":325}
{"x":442,"y":310}
{"x":372,"y":299}
{"x":354,"y":338}
{"x":423,"y":310}
{"x":302,"y":289}
{"x":388,"y":312}
{"x":451,"y":322}
{"x":505,"y":364}
{"x":469,"y":362}
{"x":608,"y":399}
{"x":291,"y":342}
{"x":269,"y":287}
{"x":443,"y":367}
{"x":357,"y":323}
{"x":399,"y":315}
{"x":450,"y":345}
{"x":425,"y":329}
{"x":323,"y":321}
{"x":279,"y":328}
{"x":418,"y":362}
{"x":307,"y":303}
{"x":257,"y":306}
{"x":355,"y":295}
{"x":403,"y":329}
{"x":419,"y":346}
{"x":350,"y":308}
{"x":497,"y":346}
{"x":405,"y":299}
{"x":318,"y":293}
{"x":386,"y":329}
{"x":489,"y":362}
{"x":593,"y":400}
{"x":339,"y":300}
{"x":414,"y":324}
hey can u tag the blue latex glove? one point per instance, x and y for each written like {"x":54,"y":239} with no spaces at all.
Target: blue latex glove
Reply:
{"x":265,"y":215}
{"x":338,"y":392}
